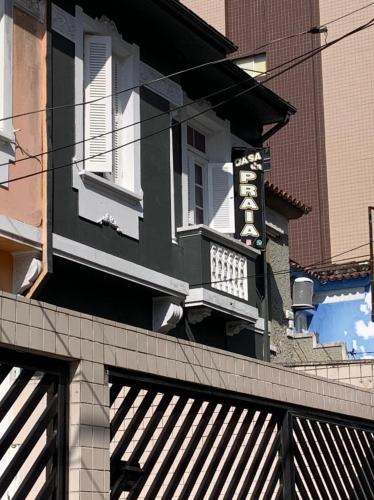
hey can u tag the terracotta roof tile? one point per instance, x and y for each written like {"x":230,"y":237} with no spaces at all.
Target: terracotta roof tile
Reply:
{"x":335,"y":272}
{"x":272,"y":188}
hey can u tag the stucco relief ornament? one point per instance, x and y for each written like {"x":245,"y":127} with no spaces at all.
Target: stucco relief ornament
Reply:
{"x":33,"y":7}
{"x":109,"y":24}
{"x":109,"y":220}
{"x":63,"y":23}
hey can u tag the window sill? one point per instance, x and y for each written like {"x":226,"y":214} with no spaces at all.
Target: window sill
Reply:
{"x":6,"y":136}
{"x":109,"y":189}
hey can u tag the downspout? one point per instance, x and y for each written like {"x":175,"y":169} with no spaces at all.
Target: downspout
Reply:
{"x":266,"y":342}
{"x":46,"y":161}
{"x":276,"y":127}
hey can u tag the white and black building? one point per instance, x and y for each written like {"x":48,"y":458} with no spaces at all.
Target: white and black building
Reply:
{"x":142,"y":219}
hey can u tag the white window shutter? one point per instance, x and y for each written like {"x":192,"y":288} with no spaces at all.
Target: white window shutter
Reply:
{"x":221,"y":214}
{"x":191,"y":191}
{"x":98,"y":115}
{"x":117,"y":120}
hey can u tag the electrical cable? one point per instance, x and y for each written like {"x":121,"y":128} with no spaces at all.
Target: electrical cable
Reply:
{"x":172,"y":110}
{"x":311,"y":54}
{"x":276,"y":273}
{"x":180,"y":72}
{"x":348,"y":14}
{"x":150,"y":82}
{"x":360,"y":259}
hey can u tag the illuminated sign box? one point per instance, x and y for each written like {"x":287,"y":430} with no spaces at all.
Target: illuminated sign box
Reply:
{"x":249,"y":167}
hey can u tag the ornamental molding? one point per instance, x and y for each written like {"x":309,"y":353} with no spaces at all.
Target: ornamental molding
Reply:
{"x":109,"y":24}
{"x":109,"y":220}
{"x":235,"y":327}
{"x":166,"y":88}
{"x":198,"y":314}
{"x":27,"y":268}
{"x":63,"y":23}
{"x":35,"y":8}
{"x":167,"y":312}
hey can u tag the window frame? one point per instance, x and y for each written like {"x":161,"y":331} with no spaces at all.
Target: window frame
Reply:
{"x":129,"y":54}
{"x":100,"y":199}
{"x":255,"y":61}
{"x":196,"y":157}
{"x":217,"y":132}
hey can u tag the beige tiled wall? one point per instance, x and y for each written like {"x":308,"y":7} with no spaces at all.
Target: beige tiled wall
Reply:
{"x":90,"y":344}
{"x":212,"y":11}
{"x":348,"y":92}
{"x":358,"y":373}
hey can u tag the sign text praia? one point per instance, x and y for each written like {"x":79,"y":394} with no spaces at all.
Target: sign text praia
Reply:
{"x":249,"y":197}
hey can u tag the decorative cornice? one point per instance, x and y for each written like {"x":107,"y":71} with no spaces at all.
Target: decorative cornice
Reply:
{"x":36,"y":8}
{"x":63,"y":23}
{"x":166,"y":88}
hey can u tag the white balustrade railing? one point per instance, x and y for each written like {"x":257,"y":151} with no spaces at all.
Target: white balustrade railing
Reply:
{"x":228,"y":271}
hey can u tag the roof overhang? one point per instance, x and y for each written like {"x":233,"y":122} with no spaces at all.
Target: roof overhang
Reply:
{"x":173,"y":38}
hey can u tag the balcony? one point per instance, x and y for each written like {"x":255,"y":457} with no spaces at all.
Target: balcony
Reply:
{"x":217,"y":268}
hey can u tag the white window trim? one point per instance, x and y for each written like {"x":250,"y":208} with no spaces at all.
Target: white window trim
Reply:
{"x":7,"y":149}
{"x":211,"y":126}
{"x":200,"y":158}
{"x":97,"y":200}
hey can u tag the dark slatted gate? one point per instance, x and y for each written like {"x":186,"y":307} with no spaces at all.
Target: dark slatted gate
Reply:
{"x":175,"y":441}
{"x":32,"y":427}
{"x":333,"y":460}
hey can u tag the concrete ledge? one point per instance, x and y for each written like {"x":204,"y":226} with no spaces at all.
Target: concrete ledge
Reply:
{"x":45,"y":329}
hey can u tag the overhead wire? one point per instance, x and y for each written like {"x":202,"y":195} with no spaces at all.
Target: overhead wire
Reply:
{"x":185,"y":70}
{"x":280,"y":271}
{"x":311,"y":54}
{"x":152,"y":81}
{"x":172,"y":110}
{"x":348,"y":14}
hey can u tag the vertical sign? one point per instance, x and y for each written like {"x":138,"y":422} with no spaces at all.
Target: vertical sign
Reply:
{"x":249,"y":196}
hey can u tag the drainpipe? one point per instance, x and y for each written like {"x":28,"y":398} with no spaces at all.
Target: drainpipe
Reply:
{"x":276,"y":127}
{"x":266,"y":342}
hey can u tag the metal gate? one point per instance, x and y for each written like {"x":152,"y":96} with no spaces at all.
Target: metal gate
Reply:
{"x":171,"y":440}
{"x":32,"y":427}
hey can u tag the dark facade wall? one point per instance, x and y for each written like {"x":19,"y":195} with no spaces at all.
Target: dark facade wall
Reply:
{"x":297,"y":151}
{"x":154,"y":248}
{"x":92,"y":292}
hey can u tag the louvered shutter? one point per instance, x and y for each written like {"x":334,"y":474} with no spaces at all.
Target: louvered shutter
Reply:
{"x":191,"y":191}
{"x":98,"y":115}
{"x":221,"y":208}
{"x":117,"y":120}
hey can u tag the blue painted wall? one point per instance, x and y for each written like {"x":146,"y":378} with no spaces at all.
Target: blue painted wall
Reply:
{"x":343,"y":313}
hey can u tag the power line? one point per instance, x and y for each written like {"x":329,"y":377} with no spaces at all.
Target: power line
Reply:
{"x":348,"y":14}
{"x":343,"y":264}
{"x":180,"y":72}
{"x":150,"y":82}
{"x":274,"y":273}
{"x":172,"y":110}
{"x":149,"y":135}
{"x":311,"y":54}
